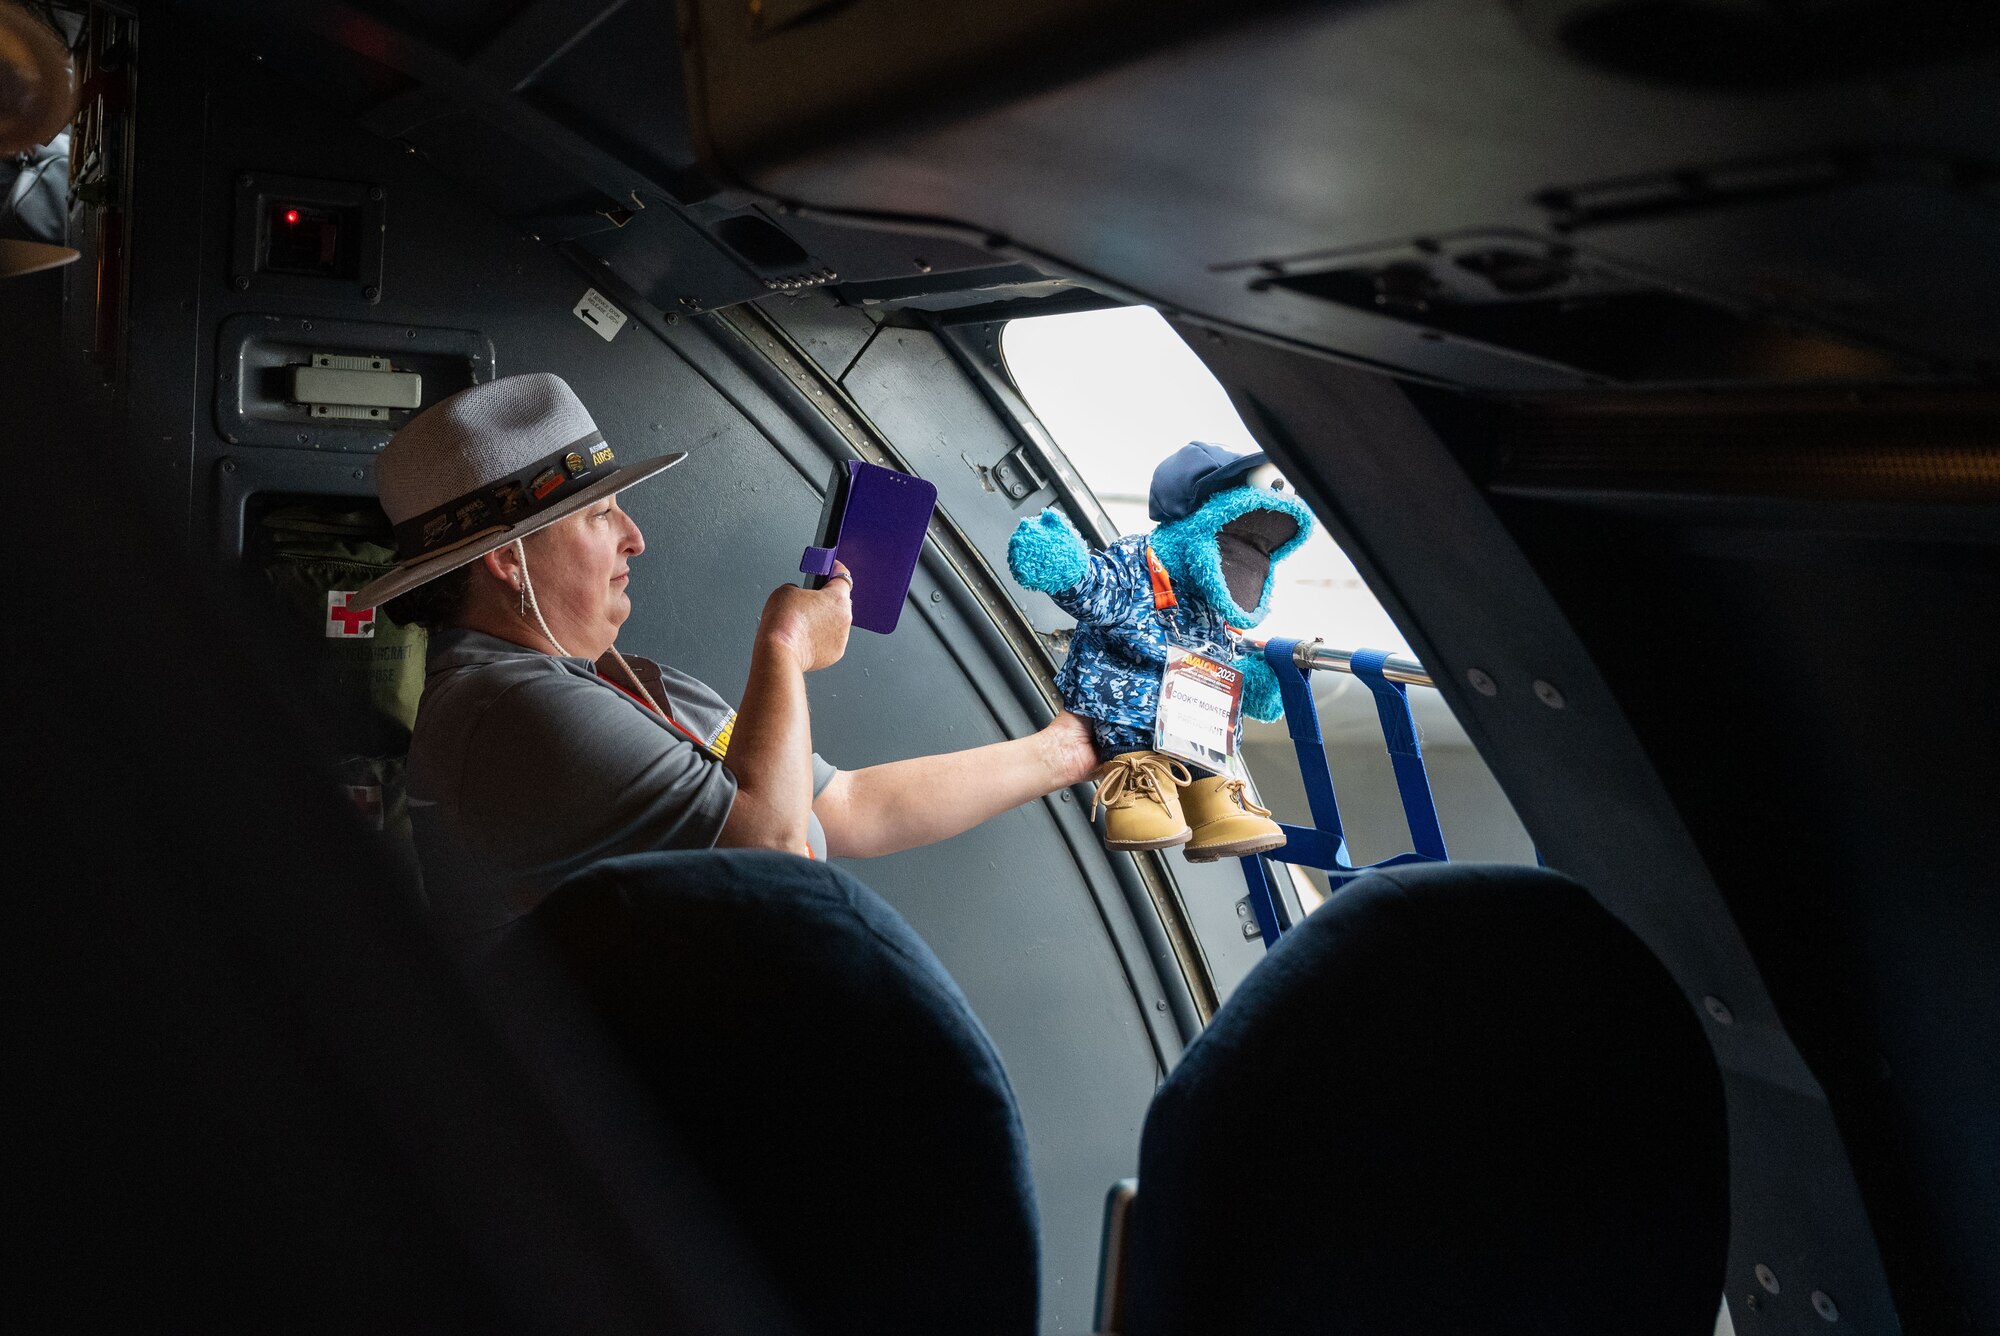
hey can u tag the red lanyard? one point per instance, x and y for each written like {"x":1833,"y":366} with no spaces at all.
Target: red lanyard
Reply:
{"x":643,"y":704}
{"x":647,"y":706}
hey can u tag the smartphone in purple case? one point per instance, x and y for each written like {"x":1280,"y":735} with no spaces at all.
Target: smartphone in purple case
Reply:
{"x":874,"y":522}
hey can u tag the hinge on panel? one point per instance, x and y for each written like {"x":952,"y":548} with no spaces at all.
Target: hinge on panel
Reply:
{"x":798,"y":282}
{"x":1251,"y":932}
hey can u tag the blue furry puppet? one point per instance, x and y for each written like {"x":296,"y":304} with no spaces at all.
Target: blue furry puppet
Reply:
{"x":1198,"y":581}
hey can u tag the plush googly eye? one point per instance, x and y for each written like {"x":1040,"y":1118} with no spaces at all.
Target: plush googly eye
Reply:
{"x":1267,"y":477}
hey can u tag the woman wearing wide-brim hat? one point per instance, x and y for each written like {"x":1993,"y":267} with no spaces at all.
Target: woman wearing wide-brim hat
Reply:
{"x":539,"y":748}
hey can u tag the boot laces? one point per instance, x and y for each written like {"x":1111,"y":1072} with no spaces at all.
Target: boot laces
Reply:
{"x":1242,"y":799}
{"x":1135,"y":774}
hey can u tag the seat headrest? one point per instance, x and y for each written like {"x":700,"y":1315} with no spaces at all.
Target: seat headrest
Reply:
{"x":813,"y":1059}
{"x":1456,"y":1098}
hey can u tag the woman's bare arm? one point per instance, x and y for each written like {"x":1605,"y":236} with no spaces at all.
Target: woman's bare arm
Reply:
{"x":770,"y":753}
{"x":904,"y":804}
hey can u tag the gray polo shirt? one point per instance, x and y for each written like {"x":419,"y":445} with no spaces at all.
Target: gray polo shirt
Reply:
{"x":525,"y":767}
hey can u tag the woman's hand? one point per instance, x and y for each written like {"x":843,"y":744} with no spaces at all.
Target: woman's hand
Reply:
{"x":1067,"y":750}
{"x":810,"y":624}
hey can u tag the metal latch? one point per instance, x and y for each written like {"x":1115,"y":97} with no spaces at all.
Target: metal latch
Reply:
{"x":336,"y":385}
{"x":1017,"y":476}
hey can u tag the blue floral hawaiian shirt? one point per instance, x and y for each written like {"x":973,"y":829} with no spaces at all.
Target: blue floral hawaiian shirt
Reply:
{"x":1120,"y":646}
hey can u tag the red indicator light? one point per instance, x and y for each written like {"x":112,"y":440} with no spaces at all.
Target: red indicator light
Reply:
{"x":291,"y":215}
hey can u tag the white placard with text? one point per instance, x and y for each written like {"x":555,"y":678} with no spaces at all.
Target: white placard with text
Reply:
{"x":597,"y":311}
{"x":1201,"y":707}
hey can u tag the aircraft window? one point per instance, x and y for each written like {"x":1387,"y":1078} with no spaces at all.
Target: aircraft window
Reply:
{"x":1118,"y":390}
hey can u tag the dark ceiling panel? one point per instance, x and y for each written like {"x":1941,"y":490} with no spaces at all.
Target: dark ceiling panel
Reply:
{"x":569,"y":117}
{"x":1847,"y":203}
{"x":622,"y":85}
{"x":822,"y":73}
{"x":461,"y":27}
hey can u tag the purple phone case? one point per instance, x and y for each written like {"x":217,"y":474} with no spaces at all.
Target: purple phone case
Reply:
{"x":879,"y":535}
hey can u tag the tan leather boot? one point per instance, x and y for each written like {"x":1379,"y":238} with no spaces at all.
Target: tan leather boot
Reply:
{"x":1141,"y":799}
{"x":1225,"y":823}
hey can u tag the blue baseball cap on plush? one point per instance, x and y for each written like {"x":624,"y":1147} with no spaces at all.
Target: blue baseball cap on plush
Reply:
{"x":1191,"y":475}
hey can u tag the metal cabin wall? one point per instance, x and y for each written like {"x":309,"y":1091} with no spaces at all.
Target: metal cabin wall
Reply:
{"x":1059,"y":973}
{"x":939,"y":393}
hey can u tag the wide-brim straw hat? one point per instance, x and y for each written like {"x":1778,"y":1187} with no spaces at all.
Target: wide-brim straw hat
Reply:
{"x":31,"y":257}
{"x":475,"y":471}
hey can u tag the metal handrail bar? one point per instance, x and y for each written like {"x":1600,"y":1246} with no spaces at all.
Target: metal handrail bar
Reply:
{"x":1314,"y":654}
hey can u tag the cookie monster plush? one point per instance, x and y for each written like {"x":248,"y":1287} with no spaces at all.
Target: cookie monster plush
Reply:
{"x":1198,"y":580}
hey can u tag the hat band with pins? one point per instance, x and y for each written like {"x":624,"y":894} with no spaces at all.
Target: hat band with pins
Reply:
{"x":520,"y":495}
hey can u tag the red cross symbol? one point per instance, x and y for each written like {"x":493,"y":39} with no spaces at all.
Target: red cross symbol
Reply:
{"x":343,"y":622}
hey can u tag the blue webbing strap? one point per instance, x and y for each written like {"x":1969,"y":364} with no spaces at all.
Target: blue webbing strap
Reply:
{"x":1325,"y":847}
{"x":1324,"y":843}
{"x":1399,"y":731}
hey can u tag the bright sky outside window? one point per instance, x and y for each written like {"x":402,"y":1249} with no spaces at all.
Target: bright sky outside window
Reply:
{"x":1119,"y":391}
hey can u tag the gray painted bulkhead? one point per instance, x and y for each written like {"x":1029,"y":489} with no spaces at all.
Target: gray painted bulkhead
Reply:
{"x":1027,"y":911}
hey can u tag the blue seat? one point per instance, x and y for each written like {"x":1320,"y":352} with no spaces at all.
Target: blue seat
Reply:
{"x":1457,"y":1099}
{"x":812,"y":1060}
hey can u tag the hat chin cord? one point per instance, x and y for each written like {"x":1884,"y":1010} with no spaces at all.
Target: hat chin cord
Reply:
{"x":530,"y":604}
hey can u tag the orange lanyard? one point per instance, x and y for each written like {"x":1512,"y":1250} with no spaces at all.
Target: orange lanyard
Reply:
{"x":1163,"y":587}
